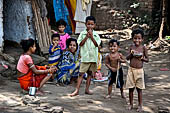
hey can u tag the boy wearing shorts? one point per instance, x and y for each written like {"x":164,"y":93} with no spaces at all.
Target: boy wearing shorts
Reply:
{"x":88,"y":41}
{"x":135,"y":78}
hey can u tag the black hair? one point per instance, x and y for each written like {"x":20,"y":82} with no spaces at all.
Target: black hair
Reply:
{"x":68,"y":41}
{"x":137,"y":31}
{"x":55,"y":35}
{"x":90,"y":18}
{"x":27,"y":43}
{"x":113,"y":40}
{"x":61,"y":22}
{"x":101,"y":44}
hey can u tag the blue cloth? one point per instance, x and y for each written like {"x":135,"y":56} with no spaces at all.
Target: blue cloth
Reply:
{"x":68,"y":67}
{"x":54,"y":56}
{"x":61,"y":12}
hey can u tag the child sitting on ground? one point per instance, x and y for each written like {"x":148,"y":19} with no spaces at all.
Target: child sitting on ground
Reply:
{"x":61,"y":25}
{"x":135,"y":78}
{"x":55,"y":51}
{"x":113,"y":62}
{"x":27,"y":70}
{"x":69,"y":63}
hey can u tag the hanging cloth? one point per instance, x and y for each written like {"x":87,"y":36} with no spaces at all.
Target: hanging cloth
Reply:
{"x":85,"y":3}
{"x":61,"y":12}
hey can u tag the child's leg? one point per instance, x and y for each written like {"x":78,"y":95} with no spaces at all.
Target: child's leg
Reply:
{"x":110,"y":88}
{"x":139,"y":99}
{"x":131,"y":97}
{"x":45,"y":80}
{"x":80,"y":78}
{"x":88,"y":82}
{"x":122,"y":93}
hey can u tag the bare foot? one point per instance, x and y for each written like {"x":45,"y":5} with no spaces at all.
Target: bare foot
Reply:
{"x":88,"y":93}
{"x":139,"y":109}
{"x":75,"y":93}
{"x":123,"y":96}
{"x":130,"y":107}
{"x":108,"y":96}
{"x":39,"y":92}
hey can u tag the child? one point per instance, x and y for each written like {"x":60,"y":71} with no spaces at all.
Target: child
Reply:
{"x":88,"y":41}
{"x":61,"y":25}
{"x":98,"y":74}
{"x":69,"y":63}
{"x":113,"y":61}
{"x":27,"y":69}
{"x":55,"y":51}
{"x":135,"y":78}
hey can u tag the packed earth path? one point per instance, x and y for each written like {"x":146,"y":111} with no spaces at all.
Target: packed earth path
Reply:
{"x":155,"y":96}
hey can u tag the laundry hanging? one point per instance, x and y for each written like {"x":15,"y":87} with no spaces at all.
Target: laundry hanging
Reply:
{"x":71,"y":6}
{"x":61,"y":12}
{"x":81,"y":15}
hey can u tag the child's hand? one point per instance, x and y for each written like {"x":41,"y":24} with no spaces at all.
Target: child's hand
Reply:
{"x":55,"y":44}
{"x":90,"y":33}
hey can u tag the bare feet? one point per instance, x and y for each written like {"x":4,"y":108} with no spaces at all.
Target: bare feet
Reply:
{"x":130,"y":107}
{"x":39,"y":92}
{"x":139,"y":109}
{"x":88,"y":93}
{"x":108,"y":96}
{"x":123,"y":96}
{"x":75,"y":93}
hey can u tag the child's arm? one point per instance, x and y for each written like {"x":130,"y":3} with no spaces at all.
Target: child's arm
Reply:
{"x":145,"y":57}
{"x":83,"y":41}
{"x":34,"y":69}
{"x":130,"y":55}
{"x":107,"y":63}
{"x":91,"y":36}
{"x":122,"y":59}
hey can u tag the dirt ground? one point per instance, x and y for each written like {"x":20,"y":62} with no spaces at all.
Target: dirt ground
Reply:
{"x":155,"y":96}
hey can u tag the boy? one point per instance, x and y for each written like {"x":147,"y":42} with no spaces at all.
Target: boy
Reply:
{"x":112,"y":61}
{"x":135,"y":78}
{"x":88,"y":41}
{"x":55,"y":51}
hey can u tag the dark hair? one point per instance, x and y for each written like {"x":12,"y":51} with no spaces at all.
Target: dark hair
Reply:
{"x":101,"y":44}
{"x":68,"y":41}
{"x":55,"y":35}
{"x":113,"y":40}
{"x":61,"y":22}
{"x":137,"y":31}
{"x":27,"y":43}
{"x":90,"y":18}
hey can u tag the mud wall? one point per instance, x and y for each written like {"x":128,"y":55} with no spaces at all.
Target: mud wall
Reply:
{"x":1,"y":24}
{"x":18,"y":20}
{"x":120,"y":14}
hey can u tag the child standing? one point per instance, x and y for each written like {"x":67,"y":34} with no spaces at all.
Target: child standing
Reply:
{"x":61,"y":25}
{"x":88,"y":41}
{"x":27,"y":69}
{"x":135,"y":78}
{"x":55,"y":51}
{"x":113,"y":61}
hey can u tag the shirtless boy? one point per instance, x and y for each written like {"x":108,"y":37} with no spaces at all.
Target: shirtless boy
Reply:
{"x":113,"y":61}
{"x":135,"y":78}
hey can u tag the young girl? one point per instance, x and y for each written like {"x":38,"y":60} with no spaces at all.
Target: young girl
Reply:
{"x":61,"y":25}
{"x":29,"y":74}
{"x":69,"y":64}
